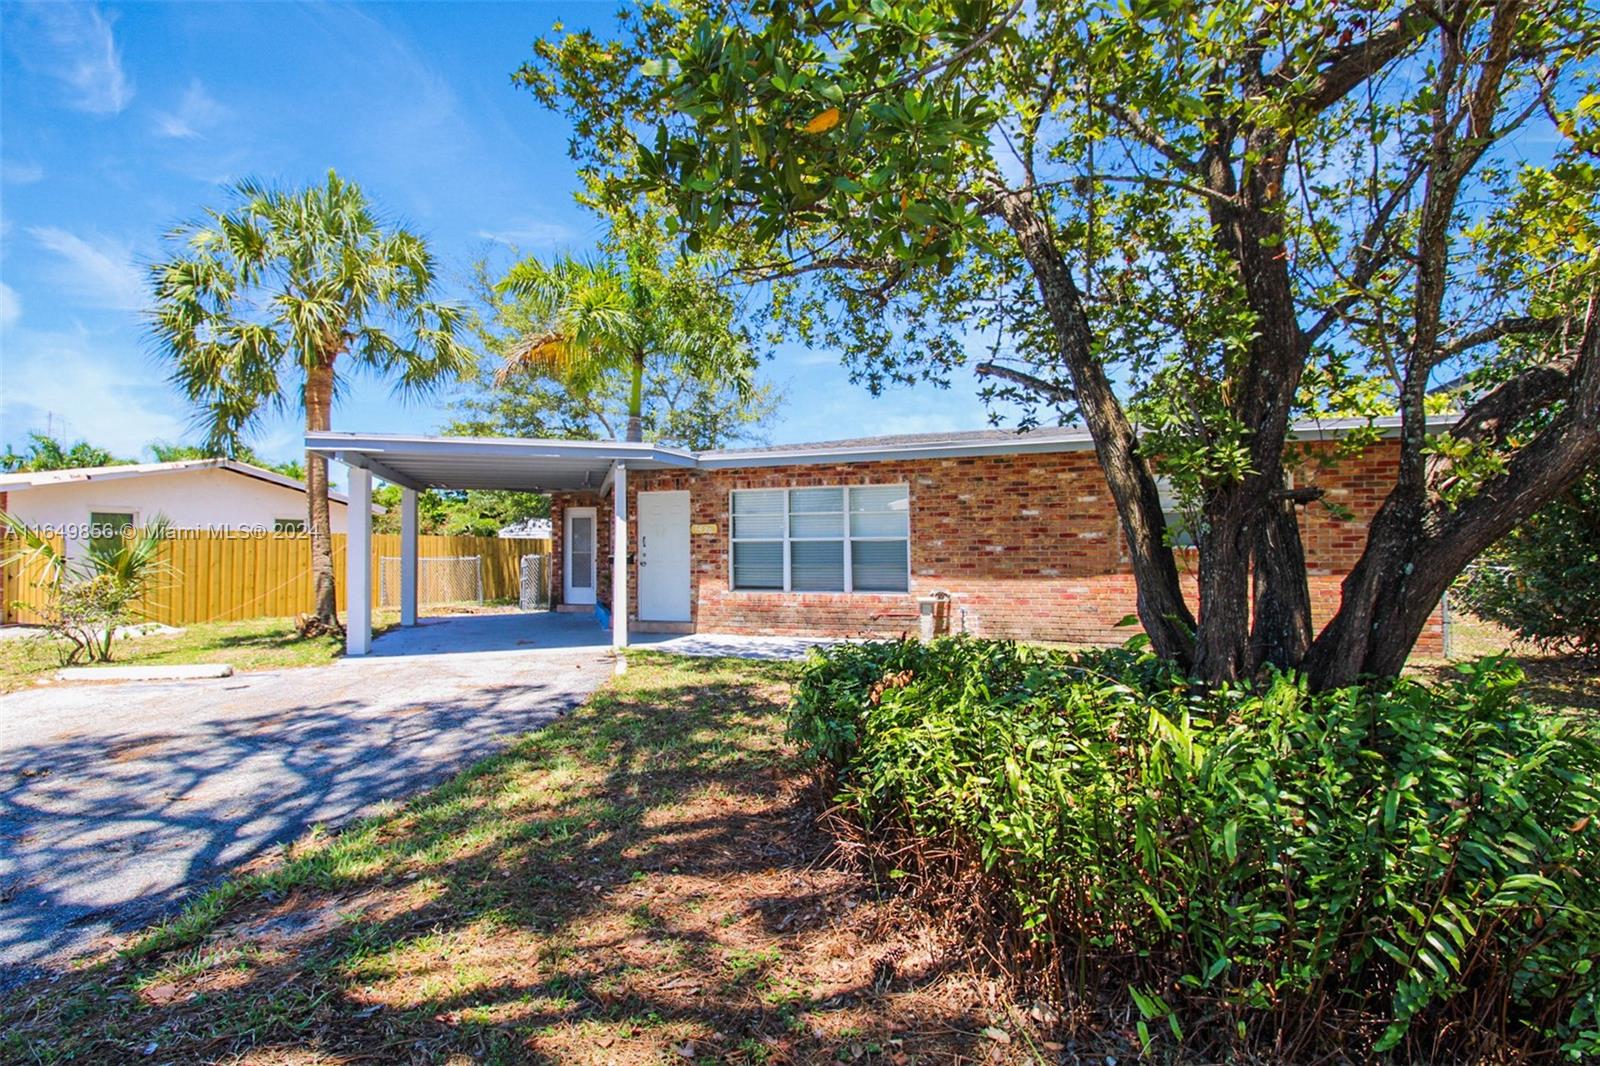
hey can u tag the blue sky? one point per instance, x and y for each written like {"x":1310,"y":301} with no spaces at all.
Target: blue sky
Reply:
{"x":117,"y":121}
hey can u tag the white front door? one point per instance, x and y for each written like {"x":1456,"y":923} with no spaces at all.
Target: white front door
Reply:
{"x":664,"y":556}
{"x":578,"y":554}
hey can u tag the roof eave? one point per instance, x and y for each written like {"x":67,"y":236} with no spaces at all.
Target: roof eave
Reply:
{"x":952,"y":450}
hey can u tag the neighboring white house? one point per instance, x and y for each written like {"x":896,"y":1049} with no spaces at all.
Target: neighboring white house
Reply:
{"x":537,"y":528}
{"x":214,"y":494}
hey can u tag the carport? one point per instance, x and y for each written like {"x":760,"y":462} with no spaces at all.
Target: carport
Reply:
{"x":417,"y":463}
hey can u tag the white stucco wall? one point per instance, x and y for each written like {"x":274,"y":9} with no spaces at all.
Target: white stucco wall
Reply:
{"x":206,"y":498}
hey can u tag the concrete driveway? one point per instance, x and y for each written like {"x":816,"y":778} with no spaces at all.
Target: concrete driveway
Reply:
{"x":117,"y":801}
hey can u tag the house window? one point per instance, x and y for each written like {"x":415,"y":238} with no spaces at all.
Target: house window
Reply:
{"x":832,"y":539}
{"x":1179,"y":535}
{"x":107,"y":528}
{"x":288,"y":525}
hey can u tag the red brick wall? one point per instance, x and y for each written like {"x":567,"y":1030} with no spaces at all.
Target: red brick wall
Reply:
{"x":1028,"y":546}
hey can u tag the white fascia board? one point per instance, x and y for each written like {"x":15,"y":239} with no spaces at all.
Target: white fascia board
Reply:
{"x":84,"y":475}
{"x":275,"y":478}
{"x":933,"y":450}
{"x":77,"y":475}
{"x":1387,"y":426}
{"x":497,"y":448}
{"x":1326,"y":429}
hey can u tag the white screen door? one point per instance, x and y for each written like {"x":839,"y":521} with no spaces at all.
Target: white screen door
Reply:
{"x":580,"y":556}
{"x":664,"y":556}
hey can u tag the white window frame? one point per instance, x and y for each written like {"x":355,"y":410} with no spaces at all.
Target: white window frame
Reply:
{"x":106,"y":508}
{"x":1168,"y":494}
{"x":846,"y":539}
{"x":1169,"y":508}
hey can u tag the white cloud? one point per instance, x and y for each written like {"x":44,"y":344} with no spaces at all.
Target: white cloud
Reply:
{"x":532,"y":233}
{"x":101,"y":272}
{"x":88,"y":385}
{"x":10,"y":306}
{"x":197,"y":112}
{"x":15,"y":173}
{"x":74,"y":45}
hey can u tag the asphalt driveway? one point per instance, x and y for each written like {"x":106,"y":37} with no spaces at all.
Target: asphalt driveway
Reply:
{"x":118,"y":801}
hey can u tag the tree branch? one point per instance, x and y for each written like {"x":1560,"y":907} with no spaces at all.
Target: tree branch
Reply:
{"x":1540,"y":469}
{"x":1049,"y":389}
{"x":1512,"y":326}
{"x":1152,"y":138}
{"x":1502,"y":408}
{"x":956,"y":58}
{"x":1371,"y":257}
{"x":1349,"y":66}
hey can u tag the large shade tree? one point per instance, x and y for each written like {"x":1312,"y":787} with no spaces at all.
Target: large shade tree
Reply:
{"x":1203,"y":220}
{"x":635,"y":307}
{"x":274,"y":301}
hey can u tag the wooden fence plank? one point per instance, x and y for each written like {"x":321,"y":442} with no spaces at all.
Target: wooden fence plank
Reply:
{"x":234,"y":576}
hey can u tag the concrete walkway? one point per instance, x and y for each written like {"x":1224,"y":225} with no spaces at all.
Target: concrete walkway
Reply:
{"x":468,"y":635}
{"x":117,"y":801}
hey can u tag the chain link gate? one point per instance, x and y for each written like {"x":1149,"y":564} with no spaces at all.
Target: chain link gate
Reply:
{"x":534,"y":584}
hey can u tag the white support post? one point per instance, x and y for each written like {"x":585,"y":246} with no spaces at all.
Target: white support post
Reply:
{"x":358,"y":565}
{"x":408,"y":557}
{"x":619,"y":554}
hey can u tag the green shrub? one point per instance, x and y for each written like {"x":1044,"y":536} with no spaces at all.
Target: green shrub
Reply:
{"x":1542,"y":581}
{"x":1410,"y":868}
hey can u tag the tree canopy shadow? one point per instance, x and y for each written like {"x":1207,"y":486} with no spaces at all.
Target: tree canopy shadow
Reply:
{"x":643,"y":879}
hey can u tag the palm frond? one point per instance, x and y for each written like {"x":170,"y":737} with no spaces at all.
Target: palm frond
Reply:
{"x":36,"y":550}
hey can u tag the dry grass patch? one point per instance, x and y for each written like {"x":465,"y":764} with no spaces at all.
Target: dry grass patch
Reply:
{"x":642,"y":882}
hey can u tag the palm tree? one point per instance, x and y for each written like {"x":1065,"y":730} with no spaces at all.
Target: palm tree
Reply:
{"x":88,"y":600}
{"x":271,"y":303}
{"x":610,"y":314}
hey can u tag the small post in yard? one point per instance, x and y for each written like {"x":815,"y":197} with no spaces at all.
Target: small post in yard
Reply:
{"x":358,"y":565}
{"x":1444,"y":623}
{"x":619,"y":564}
{"x":408,"y":557}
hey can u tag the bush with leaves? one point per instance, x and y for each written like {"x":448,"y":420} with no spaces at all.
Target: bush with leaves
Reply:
{"x":88,"y":600}
{"x":1408,"y":869}
{"x":1543,"y":580}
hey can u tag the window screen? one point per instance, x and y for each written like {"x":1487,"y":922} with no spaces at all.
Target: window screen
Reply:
{"x":107,"y":529}
{"x":823,"y":539}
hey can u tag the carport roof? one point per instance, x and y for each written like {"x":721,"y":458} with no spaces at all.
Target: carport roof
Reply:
{"x":492,"y":462}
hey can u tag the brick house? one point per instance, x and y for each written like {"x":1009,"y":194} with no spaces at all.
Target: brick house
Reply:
{"x":998,"y":533}
{"x":1017,"y":530}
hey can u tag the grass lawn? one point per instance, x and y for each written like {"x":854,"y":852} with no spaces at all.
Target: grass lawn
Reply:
{"x":258,"y":644}
{"x":640,"y":882}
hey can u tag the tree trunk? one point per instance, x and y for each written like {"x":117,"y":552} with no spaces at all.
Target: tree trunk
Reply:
{"x":1282,"y":596}
{"x":319,"y":409}
{"x":1161,"y":607}
{"x":1414,"y":552}
{"x":636,"y":399}
{"x":1226,"y":543}
{"x":1246,"y":525}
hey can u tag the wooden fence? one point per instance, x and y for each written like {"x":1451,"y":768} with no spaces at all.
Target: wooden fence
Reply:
{"x":217,"y":577}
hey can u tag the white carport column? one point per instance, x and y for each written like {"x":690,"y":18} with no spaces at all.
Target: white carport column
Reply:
{"x":408,"y":557}
{"x":358,"y":565}
{"x":619,"y":558}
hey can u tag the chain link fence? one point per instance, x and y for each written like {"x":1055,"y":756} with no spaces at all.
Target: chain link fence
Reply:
{"x":440,"y":579}
{"x":535,"y":583}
